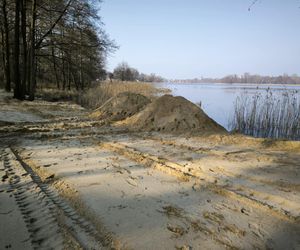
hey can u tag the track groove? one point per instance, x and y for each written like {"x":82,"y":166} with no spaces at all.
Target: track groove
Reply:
{"x":211,"y":181}
{"x":39,"y":204}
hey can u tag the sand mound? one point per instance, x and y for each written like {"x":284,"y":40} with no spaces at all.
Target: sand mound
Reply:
{"x":173,"y":114}
{"x":121,"y":106}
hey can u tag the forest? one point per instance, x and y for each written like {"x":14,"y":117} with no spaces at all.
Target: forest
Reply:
{"x":59,"y":42}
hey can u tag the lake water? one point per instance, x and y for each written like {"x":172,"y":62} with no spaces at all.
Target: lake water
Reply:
{"x":217,"y":99}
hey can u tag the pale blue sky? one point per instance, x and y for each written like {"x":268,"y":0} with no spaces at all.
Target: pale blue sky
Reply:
{"x":210,"y":38}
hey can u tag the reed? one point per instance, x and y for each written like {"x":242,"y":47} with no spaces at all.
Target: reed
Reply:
{"x":268,"y":115}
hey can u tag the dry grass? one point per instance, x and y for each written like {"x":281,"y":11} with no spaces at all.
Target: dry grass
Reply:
{"x":96,"y":96}
{"x":54,"y":95}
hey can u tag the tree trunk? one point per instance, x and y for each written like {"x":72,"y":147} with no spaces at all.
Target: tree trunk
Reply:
{"x":69,"y":77}
{"x":80,"y":62}
{"x":2,"y":55}
{"x":54,"y":66}
{"x":23,"y":29}
{"x":32,"y":59}
{"x":75,"y":80}
{"x":17,"y":89}
{"x":7,"y":49}
{"x":63,"y":68}
{"x":63,"y":71}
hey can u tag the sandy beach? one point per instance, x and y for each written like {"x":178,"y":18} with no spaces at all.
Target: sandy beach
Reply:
{"x":78,"y":183}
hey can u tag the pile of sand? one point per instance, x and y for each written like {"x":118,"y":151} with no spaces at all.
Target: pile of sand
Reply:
{"x":121,"y":106}
{"x":173,"y":114}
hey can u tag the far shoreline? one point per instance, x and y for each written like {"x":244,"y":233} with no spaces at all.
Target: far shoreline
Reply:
{"x":235,"y":83}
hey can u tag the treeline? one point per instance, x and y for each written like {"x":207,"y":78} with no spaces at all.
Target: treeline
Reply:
{"x":246,"y":78}
{"x":57,"y":42}
{"x":124,"y":72}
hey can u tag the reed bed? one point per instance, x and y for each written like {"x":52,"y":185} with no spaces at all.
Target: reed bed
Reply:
{"x":268,"y":115}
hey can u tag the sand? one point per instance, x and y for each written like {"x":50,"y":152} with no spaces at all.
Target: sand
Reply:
{"x":11,"y":221}
{"x":149,"y":190}
{"x":173,"y":114}
{"x":121,"y":106}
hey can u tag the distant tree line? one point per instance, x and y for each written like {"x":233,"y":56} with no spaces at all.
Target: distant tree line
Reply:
{"x":246,"y":78}
{"x":124,"y":72}
{"x":57,"y":42}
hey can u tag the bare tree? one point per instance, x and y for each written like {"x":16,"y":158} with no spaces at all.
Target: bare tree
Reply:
{"x":51,"y":41}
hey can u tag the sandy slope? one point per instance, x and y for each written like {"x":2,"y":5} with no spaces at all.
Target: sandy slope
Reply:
{"x":153,"y":191}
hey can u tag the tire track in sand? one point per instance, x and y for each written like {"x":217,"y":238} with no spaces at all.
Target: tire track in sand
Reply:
{"x":40,"y":206}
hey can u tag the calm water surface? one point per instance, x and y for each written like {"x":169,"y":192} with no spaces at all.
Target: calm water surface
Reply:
{"x":218,"y":99}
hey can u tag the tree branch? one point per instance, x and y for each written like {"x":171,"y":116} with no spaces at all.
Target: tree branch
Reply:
{"x":251,"y":5}
{"x":53,"y":25}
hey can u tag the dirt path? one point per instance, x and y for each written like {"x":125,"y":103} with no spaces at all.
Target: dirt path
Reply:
{"x":78,"y":184}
